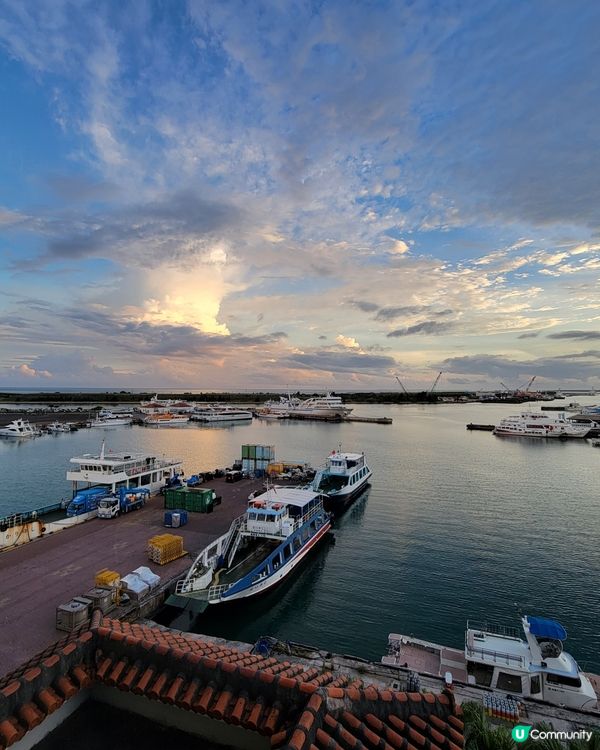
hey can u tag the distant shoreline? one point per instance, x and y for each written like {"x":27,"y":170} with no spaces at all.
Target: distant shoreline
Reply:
{"x":259,"y":397}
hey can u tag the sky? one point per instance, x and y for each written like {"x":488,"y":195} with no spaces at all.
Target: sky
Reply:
{"x":315,"y":195}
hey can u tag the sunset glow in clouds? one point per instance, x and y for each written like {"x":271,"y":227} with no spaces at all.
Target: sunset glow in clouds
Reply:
{"x":256,"y":195}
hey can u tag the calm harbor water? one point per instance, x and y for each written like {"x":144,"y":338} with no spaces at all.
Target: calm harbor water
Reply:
{"x":457,"y":525}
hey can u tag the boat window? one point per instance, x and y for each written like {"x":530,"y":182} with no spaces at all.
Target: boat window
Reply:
{"x":276,"y":561}
{"x":287,"y":551}
{"x":296,"y":544}
{"x":559,"y":679}
{"x":305,"y":534}
{"x":509,"y":682}
{"x":536,"y":686}
{"x":482,"y":672}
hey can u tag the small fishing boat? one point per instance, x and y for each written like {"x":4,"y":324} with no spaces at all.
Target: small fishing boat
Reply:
{"x":497,"y":658}
{"x":261,"y":548}
{"x":344,"y":477}
{"x":19,"y":428}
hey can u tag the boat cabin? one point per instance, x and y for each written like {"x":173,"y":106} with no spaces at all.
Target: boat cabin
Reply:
{"x":537,"y":667}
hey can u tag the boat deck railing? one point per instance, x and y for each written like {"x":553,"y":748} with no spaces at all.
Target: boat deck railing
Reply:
{"x":498,"y":657}
{"x":492,"y":628}
{"x":216,"y":592}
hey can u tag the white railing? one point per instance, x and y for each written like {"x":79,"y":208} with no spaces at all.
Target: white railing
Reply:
{"x":215,"y":592}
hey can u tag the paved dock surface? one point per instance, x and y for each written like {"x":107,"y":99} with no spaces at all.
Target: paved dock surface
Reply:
{"x":37,"y":577}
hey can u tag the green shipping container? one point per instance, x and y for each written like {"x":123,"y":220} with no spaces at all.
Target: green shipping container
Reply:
{"x":245,"y":451}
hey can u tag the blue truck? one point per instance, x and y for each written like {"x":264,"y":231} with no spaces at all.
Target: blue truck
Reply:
{"x":86,"y":500}
{"x":123,"y":501}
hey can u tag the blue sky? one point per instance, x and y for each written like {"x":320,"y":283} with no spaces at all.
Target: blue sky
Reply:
{"x":320,"y":194}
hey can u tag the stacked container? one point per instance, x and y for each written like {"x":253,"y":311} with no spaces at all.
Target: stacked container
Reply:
{"x":191,"y":499}
{"x":164,"y":548}
{"x":256,"y":458}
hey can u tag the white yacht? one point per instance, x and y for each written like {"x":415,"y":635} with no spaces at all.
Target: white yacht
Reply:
{"x":115,"y":470}
{"x":106,"y":418}
{"x":219,"y":413}
{"x":166,"y":419}
{"x":344,"y":477}
{"x":57,"y":427}
{"x":19,"y":428}
{"x":316,"y":406}
{"x":538,"y":425}
{"x":261,"y":548}
{"x":498,"y":659}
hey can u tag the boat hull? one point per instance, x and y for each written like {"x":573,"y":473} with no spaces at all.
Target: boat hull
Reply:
{"x":276,"y":577}
{"x":341,"y":501}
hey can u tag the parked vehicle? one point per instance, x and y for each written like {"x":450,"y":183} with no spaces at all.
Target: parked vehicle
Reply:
{"x":87,"y":500}
{"x":125,"y":500}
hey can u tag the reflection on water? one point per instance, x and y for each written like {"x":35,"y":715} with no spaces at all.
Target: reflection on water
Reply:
{"x":457,"y":524}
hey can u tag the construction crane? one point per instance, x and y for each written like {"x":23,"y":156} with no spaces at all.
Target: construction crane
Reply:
{"x":401,"y":384}
{"x":435,"y":382}
{"x":506,"y":388}
{"x":528,"y":386}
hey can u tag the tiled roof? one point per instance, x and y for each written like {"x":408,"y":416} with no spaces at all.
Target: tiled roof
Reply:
{"x":298,"y":707}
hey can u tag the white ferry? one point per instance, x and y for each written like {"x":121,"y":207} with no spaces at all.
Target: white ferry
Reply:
{"x":117,"y":470}
{"x":19,"y":428}
{"x":498,"y":659}
{"x":344,"y":477}
{"x":162,"y":406}
{"x":166,"y":419}
{"x":532,"y":424}
{"x":316,"y":406}
{"x":106,"y":418}
{"x":261,"y":547}
{"x":218,"y":413}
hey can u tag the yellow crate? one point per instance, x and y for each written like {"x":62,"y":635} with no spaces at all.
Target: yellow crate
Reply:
{"x":164,"y":548}
{"x":106,"y":578}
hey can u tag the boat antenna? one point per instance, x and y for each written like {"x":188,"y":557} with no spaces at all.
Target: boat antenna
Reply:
{"x":102,"y":451}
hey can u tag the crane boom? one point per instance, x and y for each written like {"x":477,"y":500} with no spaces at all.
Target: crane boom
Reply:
{"x":435,"y":382}
{"x":506,"y":388}
{"x":401,"y":384}
{"x":530,"y":383}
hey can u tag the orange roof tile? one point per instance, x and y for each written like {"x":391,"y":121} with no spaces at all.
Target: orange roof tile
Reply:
{"x":299,"y":708}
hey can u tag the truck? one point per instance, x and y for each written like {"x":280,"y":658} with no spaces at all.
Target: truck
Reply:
{"x":123,"y":501}
{"x":86,"y":500}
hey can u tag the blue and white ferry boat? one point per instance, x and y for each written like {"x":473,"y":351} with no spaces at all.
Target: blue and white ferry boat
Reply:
{"x":343,"y":478}
{"x":264,"y":545}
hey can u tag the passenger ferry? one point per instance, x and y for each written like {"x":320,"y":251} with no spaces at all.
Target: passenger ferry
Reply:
{"x":218,"y":413}
{"x":261,"y":548}
{"x":162,"y":406}
{"x":531,"y":424}
{"x":316,"y":406}
{"x":115,"y":470}
{"x":344,"y":477}
{"x":19,"y":428}
{"x":166,"y":419}
{"x":498,"y":659}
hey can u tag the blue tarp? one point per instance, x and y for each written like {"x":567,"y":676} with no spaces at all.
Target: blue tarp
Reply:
{"x":542,"y":628}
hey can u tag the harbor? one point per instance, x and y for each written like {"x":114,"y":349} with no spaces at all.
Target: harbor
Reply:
{"x":322,"y":583}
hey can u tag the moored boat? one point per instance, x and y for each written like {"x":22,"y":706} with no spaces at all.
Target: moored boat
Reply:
{"x":106,"y":418}
{"x":218,"y":413}
{"x":166,"y":420}
{"x":261,"y":548}
{"x":497,"y":658}
{"x":327,"y":406}
{"x":343,"y":478}
{"x":115,"y":470}
{"x":538,"y":425}
{"x":57,"y":427}
{"x":19,"y":428}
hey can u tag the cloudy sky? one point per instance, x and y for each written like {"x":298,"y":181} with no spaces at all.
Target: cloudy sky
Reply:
{"x":315,"y":194}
